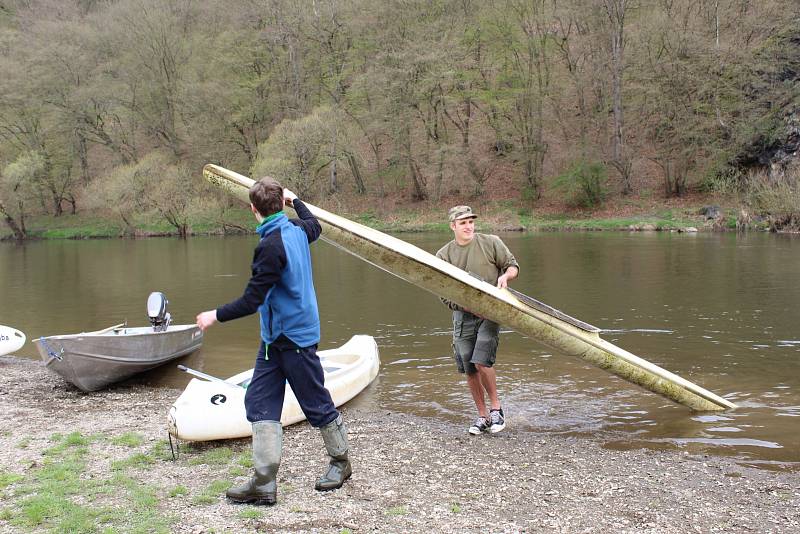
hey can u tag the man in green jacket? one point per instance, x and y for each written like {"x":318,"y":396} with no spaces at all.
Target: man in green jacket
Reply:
{"x":475,"y":338}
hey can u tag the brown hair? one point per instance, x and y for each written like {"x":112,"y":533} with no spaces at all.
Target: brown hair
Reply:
{"x":267,"y":196}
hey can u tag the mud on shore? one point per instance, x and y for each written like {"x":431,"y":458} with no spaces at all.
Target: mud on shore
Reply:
{"x":410,"y":474}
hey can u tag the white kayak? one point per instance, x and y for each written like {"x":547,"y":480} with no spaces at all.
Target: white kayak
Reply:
{"x":214,"y":409}
{"x":11,"y":340}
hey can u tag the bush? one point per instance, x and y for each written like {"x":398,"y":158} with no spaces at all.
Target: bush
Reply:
{"x":584,"y":183}
{"x":776,"y":197}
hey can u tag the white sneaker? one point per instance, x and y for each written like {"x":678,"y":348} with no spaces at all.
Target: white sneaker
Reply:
{"x":497,"y":420}
{"x":480,"y":425}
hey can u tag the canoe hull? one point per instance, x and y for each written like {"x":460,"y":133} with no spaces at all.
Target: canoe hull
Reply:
{"x":92,"y":361}
{"x":444,"y":280}
{"x":11,"y":340}
{"x":210,"y":410}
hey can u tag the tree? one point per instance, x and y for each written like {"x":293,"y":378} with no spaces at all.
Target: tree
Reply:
{"x":616,"y":12}
{"x":155,"y":184}
{"x":17,"y":190}
{"x":298,"y":150}
{"x":524,"y":35}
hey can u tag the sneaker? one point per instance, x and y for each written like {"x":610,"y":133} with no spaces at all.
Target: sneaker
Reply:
{"x":480,"y":425}
{"x":497,"y":420}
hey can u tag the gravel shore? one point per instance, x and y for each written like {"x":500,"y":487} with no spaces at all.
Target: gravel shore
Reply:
{"x":410,"y":474}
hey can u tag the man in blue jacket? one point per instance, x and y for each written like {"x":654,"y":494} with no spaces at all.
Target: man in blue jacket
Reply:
{"x":281,"y":289}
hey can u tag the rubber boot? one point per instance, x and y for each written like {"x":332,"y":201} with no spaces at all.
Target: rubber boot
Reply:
{"x":262,"y":488}
{"x":334,"y":434}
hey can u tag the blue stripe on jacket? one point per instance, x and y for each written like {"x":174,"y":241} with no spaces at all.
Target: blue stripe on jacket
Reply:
{"x":281,"y":287}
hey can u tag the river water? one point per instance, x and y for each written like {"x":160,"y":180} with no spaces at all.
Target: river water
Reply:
{"x":718,"y":309}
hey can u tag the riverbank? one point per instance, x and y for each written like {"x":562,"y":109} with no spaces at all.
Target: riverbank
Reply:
{"x":77,"y":462}
{"x":672,"y":216}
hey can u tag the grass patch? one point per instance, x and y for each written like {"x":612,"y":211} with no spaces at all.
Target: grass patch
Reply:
{"x":216,"y":456}
{"x":245,"y":460}
{"x":212,"y":492}
{"x":237,"y":471}
{"x":128,"y":439}
{"x":455,"y":508}
{"x":250,"y":513}
{"x":397,"y":510}
{"x":178,"y":490}
{"x":49,"y":496}
{"x":6,"y":478}
{"x":138,"y":460}
{"x":161,"y":450}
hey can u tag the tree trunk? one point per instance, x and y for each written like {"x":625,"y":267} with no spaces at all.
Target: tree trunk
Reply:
{"x":420,"y":185}
{"x":83,"y":156}
{"x":615,"y":9}
{"x":334,"y":181}
{"x":19,"y":231}
{"x":356,"y":170}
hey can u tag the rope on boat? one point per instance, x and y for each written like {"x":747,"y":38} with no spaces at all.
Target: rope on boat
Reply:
{"x":174,"y":450}
{"x":51,"y":352}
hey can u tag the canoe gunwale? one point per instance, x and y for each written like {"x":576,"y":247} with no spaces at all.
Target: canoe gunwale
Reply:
{"x":566,"y":337}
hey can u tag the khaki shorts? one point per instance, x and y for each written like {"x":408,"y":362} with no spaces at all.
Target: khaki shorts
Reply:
{"x":474,"y":341}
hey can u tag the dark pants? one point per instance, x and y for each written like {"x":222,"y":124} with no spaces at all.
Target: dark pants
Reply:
{"x":301,"y":368}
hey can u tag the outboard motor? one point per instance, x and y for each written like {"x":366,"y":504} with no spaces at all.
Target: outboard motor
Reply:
{"x":157,"y":311}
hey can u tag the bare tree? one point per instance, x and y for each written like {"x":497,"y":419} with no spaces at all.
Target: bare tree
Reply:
{"x":616,"y":12}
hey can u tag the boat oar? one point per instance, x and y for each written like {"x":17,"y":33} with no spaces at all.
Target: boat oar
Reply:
{"x":204,"y":376}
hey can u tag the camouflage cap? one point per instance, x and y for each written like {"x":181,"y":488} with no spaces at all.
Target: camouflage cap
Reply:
{"x":460,"y":212}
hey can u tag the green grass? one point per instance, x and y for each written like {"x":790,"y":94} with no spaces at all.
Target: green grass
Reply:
{"x":138,"y":460}
{"x":251,"y":513}
{"x":6,"y":478}
{"x":215,"y":456}
{"x":47,"y":496}
{"x":245,"y":460}
{"x":397,"y":510}
{"x":128,"y":439}
{"x":237,"y":471}
{"x":178,"y":490}
{"x":212,"y":492}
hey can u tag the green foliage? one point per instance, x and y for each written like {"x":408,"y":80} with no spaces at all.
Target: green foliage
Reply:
{"x":6,"y":478}
{"x":583,"y":183}
{"x":298,"y":150}
{"x":215,"y":456}
{"x":777,"y":198}
{"x":128,"y":439}
{"x":113,"y":107}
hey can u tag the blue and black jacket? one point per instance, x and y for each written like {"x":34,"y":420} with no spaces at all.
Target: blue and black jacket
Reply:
{"x":281,"y":287}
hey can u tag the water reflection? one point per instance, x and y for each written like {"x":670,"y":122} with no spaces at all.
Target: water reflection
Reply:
{"x":719,"y":310}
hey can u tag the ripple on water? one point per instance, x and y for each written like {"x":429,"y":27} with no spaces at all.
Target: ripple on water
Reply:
{"x":722,"y":442}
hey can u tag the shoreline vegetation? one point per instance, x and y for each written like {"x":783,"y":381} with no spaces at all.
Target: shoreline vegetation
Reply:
{"x":100,"y":462}
{"x":546,"y":115}
{"x":497,"y":218}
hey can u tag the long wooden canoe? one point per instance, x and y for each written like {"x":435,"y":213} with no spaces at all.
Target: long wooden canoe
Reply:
{"x":514,"y":310}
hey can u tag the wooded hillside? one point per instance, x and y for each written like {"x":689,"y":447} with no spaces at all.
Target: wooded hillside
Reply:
{"x":116,"y":104}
